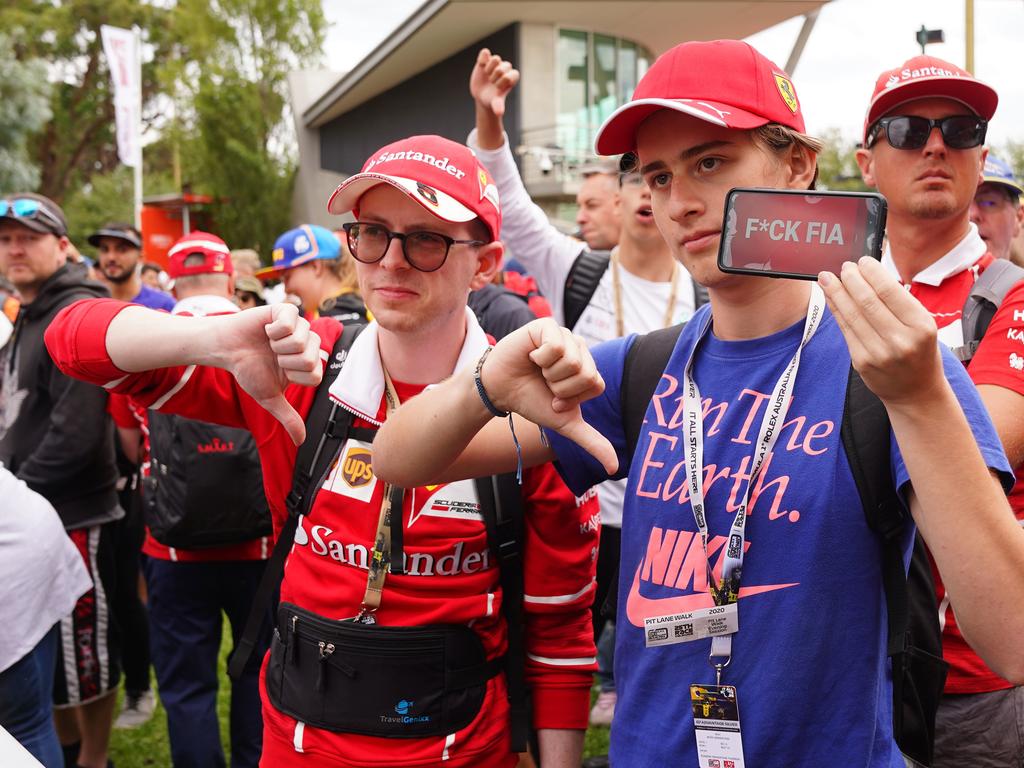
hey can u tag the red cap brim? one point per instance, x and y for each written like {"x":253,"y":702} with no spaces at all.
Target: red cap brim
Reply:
{"x":618,"y":134}
{"x":346,"y":197}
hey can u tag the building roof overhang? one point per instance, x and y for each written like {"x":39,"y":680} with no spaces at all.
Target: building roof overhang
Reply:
{"x":439,"y":28}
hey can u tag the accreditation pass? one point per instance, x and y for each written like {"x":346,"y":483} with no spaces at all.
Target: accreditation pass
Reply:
{"x":692,"y":625}
{"x":716,"y":721}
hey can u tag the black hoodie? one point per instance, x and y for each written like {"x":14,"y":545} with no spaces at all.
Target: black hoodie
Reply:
{"x":55,"y":433}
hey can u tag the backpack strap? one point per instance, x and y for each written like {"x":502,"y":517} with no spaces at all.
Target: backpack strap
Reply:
{"x":645,"y":362}
{"x":328,"y":426}
{"x":986,"y":295}
{"x":865,"y":433}
{"x":581,"y":282}
{"x":501,"y":505}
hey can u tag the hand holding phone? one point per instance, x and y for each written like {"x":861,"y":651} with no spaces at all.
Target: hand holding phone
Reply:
{"x":798,"y":233}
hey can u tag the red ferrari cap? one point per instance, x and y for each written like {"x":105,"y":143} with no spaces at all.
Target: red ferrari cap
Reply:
{"x":726,"y":82}
{"x":217,"y":257}
{"x":441,"y":175}
{"x":926,"y":76}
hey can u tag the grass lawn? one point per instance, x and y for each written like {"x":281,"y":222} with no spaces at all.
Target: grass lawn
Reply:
{"x":147,"y":746}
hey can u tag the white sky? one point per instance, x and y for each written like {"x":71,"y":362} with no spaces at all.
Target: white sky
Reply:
{"x":852,"y":43}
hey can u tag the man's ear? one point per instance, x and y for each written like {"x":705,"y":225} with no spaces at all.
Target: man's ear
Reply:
{"x":803,"y":165}
{"x":63,"y":246}
{"x":866,"y":161}
{"x":981,"y":165}
{"x":488,"y":262}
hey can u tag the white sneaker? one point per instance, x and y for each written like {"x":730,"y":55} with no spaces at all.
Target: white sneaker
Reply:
{"x":136,"y":710}
{"x":604,"y":708}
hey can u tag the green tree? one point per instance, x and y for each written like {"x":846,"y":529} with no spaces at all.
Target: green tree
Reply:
{"x":241,"y":149}
{"x":837,"y":165}
{"x":24,"y":109}
{"x":79,"y":140}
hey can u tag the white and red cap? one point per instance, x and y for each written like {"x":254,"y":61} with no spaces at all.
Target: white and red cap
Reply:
{"x":215,"y":253}
{"x":725,"y":82}
{"x":441,"y":175}
{"x":925,"y":77}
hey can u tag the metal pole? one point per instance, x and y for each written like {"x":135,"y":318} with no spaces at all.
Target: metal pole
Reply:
{"x":138,"y":130}
{"x":801,"y":41}
{"x":969,"y":32}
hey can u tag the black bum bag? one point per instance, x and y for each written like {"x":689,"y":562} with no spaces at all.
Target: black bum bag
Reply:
{"x":396,"y":682}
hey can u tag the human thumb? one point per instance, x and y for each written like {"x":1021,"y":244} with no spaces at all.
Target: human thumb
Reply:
{"x":278,"y":407}
{"x":592,"y":441}
{"x":498,"y":105}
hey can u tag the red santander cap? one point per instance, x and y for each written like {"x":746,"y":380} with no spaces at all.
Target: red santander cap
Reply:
{"x":441,"y":175}
{"x":215,"y":253}
{"x":725,"y":82}
{"x":925,"y":77}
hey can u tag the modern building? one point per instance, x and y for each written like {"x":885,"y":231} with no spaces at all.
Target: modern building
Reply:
{"x":579,"y":61}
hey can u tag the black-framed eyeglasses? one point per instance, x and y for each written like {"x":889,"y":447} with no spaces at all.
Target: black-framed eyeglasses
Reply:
{"x":27,"y":208}
{"x":912,"y":131}
{"x":425,"y":251}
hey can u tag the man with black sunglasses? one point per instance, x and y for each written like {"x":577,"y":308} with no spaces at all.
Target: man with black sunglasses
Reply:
{"x":923,"y":149}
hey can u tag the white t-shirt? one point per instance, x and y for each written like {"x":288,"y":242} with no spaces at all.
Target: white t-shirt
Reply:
{"x":548,"y":255}
{"x":42,"y":574}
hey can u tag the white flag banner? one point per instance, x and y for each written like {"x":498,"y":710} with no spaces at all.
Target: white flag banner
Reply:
{"x":126,"y":73}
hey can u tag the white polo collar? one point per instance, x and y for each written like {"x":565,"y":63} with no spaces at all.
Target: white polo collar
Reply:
{"x":360,"y":384}
{"x":206,"y":304}
{"x":963,"y":256}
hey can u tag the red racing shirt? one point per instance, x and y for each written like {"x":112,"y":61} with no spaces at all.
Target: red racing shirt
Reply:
{"x":450,"y":576}
{"x":999,"y":360}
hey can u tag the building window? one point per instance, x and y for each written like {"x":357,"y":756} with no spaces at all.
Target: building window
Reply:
{"x":597,"y":74}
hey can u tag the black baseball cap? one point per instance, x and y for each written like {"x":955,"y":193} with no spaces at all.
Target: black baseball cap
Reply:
{"x":36,"y":212}
{"x":125,"y":232}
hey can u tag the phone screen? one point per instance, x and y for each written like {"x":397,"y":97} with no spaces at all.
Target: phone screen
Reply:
{"x":787,"y":233}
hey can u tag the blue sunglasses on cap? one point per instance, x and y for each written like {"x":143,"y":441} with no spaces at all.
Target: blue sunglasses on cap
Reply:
{"x":28,"y":208}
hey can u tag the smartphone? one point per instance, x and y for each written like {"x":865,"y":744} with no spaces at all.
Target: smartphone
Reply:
{"x":797,"y":233}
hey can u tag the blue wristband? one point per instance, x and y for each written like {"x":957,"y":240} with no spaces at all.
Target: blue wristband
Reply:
{"x":480,"y":387}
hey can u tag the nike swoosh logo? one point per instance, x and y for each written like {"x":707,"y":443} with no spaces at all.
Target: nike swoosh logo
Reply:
{"x":639,"y":607}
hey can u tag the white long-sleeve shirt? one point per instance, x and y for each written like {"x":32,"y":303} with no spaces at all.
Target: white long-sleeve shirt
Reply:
{"x":548,"y":255}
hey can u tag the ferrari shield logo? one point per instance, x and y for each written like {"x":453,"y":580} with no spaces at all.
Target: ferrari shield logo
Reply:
{"x":787,"y":92}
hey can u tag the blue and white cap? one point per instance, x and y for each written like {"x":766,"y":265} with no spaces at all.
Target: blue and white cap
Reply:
{"x":998,"y":171}
{"x":299,"y":246}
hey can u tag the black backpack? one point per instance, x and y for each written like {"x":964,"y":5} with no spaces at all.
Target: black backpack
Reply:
{"x":187,"y":502}
{"x":914,"y":636}
{"x":328,"y":427}
{"x":583,"y":278}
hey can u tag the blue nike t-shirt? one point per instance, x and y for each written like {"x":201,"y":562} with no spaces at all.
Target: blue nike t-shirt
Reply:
{"x":809,"y":661}
{"x":154,"y":299}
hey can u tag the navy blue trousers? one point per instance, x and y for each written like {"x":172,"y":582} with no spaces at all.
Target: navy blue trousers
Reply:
{"x":26,"y":702}
{"x":186,"y":601}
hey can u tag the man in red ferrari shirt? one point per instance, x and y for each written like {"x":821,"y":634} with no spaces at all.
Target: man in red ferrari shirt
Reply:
{"x":428,"y":217}
{"x":923,"y":149}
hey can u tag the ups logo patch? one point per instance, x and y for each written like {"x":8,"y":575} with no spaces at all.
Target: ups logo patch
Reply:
{"x":356,"y":469}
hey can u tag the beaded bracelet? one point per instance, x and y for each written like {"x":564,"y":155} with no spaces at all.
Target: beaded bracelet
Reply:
{"x":500,"y":414}
{"x":480,"y":387}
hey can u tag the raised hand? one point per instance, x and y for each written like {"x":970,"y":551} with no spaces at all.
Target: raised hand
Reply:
{"x":266,"y":349}
{"x":891,"y":336}
{"x":491,"y":81}
{"x":543,"y":372}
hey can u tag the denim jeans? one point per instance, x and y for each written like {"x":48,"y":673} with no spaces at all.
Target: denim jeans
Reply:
{"x":26,"y":702}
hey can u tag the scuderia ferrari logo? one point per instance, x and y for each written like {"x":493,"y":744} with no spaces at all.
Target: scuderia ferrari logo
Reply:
{"x":787,"y":92}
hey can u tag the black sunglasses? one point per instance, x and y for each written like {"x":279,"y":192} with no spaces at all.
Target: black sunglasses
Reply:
{"x":912,"y":132}
{"x":425,"y":251}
